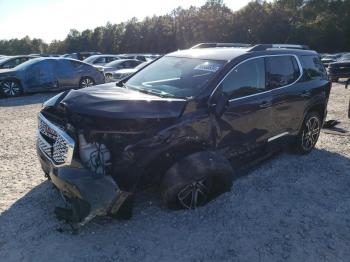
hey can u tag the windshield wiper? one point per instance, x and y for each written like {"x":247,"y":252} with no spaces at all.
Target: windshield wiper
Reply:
{"x":152,"y":92}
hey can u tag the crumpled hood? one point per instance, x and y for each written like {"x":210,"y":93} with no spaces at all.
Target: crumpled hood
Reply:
{"x":110,"y":101}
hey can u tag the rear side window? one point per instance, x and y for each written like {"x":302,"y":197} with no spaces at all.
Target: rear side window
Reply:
{"x":76,"y":64}
{"x":246,"y":79}
{"x":313,"y":68}
{"x":281,"y":71}
{"x":100,"y":60}
{"x":110,"y":59}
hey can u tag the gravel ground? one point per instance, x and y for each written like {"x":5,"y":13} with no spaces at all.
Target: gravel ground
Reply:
{"x":291,"y":208}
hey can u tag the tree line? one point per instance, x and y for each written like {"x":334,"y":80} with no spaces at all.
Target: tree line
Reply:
{"x":324,"y":25}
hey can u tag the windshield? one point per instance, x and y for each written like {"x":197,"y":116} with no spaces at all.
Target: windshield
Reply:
{"x":175,"y":76}
{"x":90,"y":59}
{"x":114,"y":63}
{"x":29,"y":62}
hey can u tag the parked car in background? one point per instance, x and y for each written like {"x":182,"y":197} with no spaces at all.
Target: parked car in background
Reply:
{"x":3,"y":57}
{"x":109,"y":68}
{"x":122,"y":73}
{"x":185,"y":122}
{"x":48,"y":74}
{"x":13,"y":61}
{"x":141,"y":57}
{"x":326,"y":60}
{"x":81,"y":55}
{"x":45,"y":55}
{"x":339,"y":69}
{"x":101,"y":59}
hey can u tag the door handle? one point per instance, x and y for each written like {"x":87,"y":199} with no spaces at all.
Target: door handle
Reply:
{"x":265,"y":104}
{"x":305,"y":94}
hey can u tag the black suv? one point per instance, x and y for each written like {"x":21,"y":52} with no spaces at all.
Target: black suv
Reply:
{"x":185,"y":122}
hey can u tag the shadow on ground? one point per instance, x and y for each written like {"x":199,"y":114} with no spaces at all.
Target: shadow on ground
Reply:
{"x":293,"y":208}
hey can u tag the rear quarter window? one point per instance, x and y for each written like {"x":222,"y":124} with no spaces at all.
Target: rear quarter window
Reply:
{"x":313,"y":68}
{"x":281,"y":71}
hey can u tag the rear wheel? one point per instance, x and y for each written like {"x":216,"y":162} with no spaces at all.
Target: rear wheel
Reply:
{"x":195,"y":180}
{"x":86,"y":82}
{"x":11,"y":88}
{"x":309,"y":133}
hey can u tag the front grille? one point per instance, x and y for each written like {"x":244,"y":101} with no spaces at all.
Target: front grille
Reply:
{"x":54,"y":143}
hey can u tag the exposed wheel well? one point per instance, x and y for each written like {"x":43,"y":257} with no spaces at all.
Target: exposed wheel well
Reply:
{"x":158,"y":166}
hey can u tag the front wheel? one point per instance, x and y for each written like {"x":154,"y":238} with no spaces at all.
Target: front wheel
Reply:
{"x":309,"y":133}
{"x":108,"y":77}
{"x":11,"y":88}
{"x":195,"y":180}
{"x":86,"y":82}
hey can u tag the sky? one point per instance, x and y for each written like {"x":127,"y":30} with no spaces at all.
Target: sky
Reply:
{"x":52,"y":19}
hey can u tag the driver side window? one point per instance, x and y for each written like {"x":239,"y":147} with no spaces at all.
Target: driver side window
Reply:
{"x":245,"y":79}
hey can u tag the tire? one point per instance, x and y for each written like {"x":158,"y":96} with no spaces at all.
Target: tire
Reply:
{"x":308,"y":134}
{"x":11,"y":88}
{"x":86,"y":82}
{"x":195,"y":180}
{"x":108,"y":77}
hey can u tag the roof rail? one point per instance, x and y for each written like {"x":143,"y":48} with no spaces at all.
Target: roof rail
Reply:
{"x":263,"y":47}
{"x":209,"y":45}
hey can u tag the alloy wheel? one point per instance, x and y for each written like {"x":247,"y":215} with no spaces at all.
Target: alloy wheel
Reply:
{"x":11,"y":88}
{"x":194,"y":195}
{"x":311,"y":133}
{"x":86,"y":82}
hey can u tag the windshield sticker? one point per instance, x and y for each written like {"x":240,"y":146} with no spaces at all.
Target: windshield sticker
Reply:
{"x":208,"y":67}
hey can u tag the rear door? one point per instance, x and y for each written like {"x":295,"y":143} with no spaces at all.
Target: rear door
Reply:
{"x":246,"y":123}
{"x":283,"y":74}
{"x":48,"y":74}
{"x":294,"y":82}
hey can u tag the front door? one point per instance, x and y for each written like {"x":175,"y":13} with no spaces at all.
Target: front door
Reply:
{"x":246,"y":122}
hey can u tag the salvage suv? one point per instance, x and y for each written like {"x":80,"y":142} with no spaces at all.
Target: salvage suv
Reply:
{"x":185,"y":122}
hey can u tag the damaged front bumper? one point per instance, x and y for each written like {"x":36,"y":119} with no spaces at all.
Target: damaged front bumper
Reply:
{"x":87,"y":195}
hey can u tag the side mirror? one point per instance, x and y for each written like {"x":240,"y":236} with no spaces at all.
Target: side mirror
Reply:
{"x":219,"y":102}
{"x":120,"y":83}
{"x":221,"y":105}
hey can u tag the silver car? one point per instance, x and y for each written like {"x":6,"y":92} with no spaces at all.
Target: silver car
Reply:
{"x":100,"y":60}
{"x":110,"y":68}
{"x":122,"y":73}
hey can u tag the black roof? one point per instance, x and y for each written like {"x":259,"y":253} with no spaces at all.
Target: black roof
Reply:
{"x":230,"y":53}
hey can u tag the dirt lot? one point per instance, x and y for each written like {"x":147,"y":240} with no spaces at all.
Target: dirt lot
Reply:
{"x":291,"y":208}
